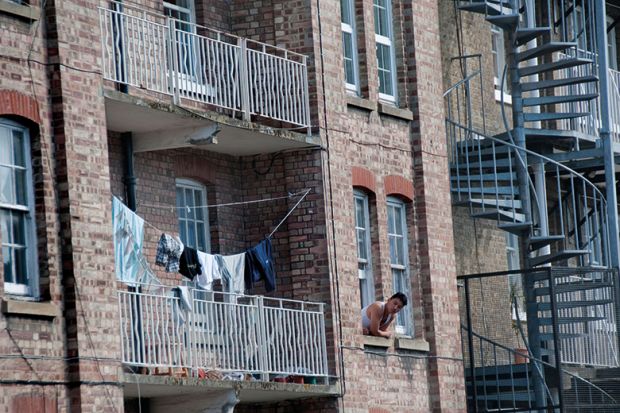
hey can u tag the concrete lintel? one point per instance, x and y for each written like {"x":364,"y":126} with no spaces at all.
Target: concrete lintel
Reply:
{"x":30,"y":308}
{"x":374,"y":341}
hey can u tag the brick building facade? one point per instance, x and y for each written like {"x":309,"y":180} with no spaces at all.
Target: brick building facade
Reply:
{"x":83,"y":83}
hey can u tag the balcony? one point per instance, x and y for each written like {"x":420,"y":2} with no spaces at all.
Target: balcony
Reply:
{"x":200,"y":68}
{"x":206,"y":341}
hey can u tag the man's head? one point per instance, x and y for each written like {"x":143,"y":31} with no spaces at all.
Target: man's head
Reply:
{"x":396,"y":303}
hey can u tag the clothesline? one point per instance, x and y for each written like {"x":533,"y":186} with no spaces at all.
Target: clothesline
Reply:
{"x":303,"y":194}
{"x":255,"y":201}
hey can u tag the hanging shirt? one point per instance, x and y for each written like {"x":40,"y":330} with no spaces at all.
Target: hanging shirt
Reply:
{"x":169,"y":252}
{"x":210,"y":270}
{"x":128,"y":235}
{"x":232,"y":271}
{"x":259,"y":265}
{"x":189,"y":265}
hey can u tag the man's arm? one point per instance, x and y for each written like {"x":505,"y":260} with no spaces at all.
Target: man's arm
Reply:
{"x":376,"y":314}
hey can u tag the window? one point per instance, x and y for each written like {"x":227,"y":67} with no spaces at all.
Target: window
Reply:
{"x":17,"y":224}
{"x":193,"y":221}
{"x":182,"y":11}
{"x":364,"y":262}
{"x":399,"y":260}
{"x":349,"y":45}
{"x":514,"y":280}
{"x":612,"y":53}
{"x":386,"y":60}
{"x":498,"y":50}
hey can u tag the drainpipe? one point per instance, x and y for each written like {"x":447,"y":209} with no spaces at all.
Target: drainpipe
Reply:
{"x":129,"y":178}
{"x":604,"y":132}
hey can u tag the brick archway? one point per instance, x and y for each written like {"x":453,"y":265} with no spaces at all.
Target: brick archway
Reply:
{"x":13,"y":102}
{"x":399,"y":186}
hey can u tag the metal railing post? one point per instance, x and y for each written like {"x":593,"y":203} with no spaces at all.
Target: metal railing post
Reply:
{"x":306,"y":98}
{"x":173,"y":67}
{"x":470,"y":345}
{"x":244,"y":79}
{"x":262,"y":338}
{"x":556,"y":339}
{"x":323,"y":344}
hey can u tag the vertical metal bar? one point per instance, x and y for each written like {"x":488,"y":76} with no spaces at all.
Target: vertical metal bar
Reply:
{"x":470,"y":345}
{"x":557,"y":341}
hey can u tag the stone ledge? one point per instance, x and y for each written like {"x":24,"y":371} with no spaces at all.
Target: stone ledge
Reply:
{"x":393,"y":111}
{"x":413,"y":344}
{"x":30,"y":308}
{"x":374,"y":341}
{"x":30,"y":13}
{"x":361,"y":103}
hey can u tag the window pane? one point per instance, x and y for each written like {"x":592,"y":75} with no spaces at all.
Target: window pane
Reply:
{"x":183,"y":231}
{"x":189,"y":201}
{"x":18,"y":148}
{"x":191,"y":234}
{"x":18,"y":222}
{"x":5,"y":226}
{"x":198,"y":202}
{"x":385,"y":69}
{"x":391,"y":228}
{"x":6,"y":185}
{"x":6,"y":260}
{"x":201,"y":245}
{"x":20,"y":187}
{"x":361,"y":244}
{"x":381,"y":18}
{"x":349,"y":70}
{"x":345,"y":11}
{"x":5,"y":147}
{"x":21,"y":272}
{"x":400,"y":249}
{"x":181,"y":202}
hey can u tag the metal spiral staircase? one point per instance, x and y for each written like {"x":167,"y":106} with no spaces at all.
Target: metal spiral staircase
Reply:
{"x":513,"y":178}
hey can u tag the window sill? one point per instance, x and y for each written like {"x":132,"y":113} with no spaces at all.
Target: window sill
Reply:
{"x":30,"y":13}
{"x":393,"y":111}
{"x":507,"y":97}
{"x":412,"y":344}
{"x":361,"y":103}
{"x":374,"y":341}
{"x":30,"y":308}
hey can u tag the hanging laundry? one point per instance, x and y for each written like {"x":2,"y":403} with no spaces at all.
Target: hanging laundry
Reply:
{"x":128,"y":235}
{"x":189,"y":265}
{"x":259,"y":265}
{"x":232,"y":271}
{"x":210,"y":270}
{"x":169,"y":252}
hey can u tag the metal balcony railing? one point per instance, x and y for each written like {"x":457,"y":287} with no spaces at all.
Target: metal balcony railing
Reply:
{"x":214,"y":331}
{"x":184,"y":60}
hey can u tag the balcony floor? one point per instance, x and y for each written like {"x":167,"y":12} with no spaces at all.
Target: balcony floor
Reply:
{"x":199,"y":390}
{"x":160,"y":125}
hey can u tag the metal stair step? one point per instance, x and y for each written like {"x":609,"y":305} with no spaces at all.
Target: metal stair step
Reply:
{"x":543,"y":49}
{"x":506,"y":203}
{"x":538,"y":242}
{"x":472,"y":166}
{"x":519,"y":228}
{"x":505,"y":21}
{"x":552,"y":100}
{"x":519,"y":396}
{"x":552,"y":66}
{"x":513,"y":370}
{"x":498,"y":190}
{"x":547,"y":84}
{"x":548,"y":321}
{"x":573,"y":286}
{"x":524,"y":35}
{"x":501,"y":215}
{"x":563,"y":336}
{"x":573,"y":304}
{"x":501,"y":176}
{"x":488,"y":8}
{"x":536,"y":117}
{"x":486,"y":151}
{"x":494,"y":384}
{"x":557,"y":256}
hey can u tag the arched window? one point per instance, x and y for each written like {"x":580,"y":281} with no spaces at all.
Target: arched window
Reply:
{"x":17,"y":223}
{"x":193,"y":214}
{"x":399,"y":260}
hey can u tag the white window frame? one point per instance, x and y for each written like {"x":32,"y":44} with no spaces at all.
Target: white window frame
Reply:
{"x":184,"y":184}
{"x":350,"y":28}
{"x":498,"y":51}
{"x":364,"y":265}
{"x":387,"y":41}
{"x":515,"y":280}
{"x":31,"y":289}
{"x":404,"y":319}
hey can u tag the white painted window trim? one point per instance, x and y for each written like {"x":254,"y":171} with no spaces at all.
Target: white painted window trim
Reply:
{"x":611,"y":41}
{"x":191,"y":184}
{"x":388,"y":42}
{"x":351,"y":29}
{"x":407,"y":328}
{"x":367,"y":296}
{"x":32,"y":265}
{"x":500,"y":57}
